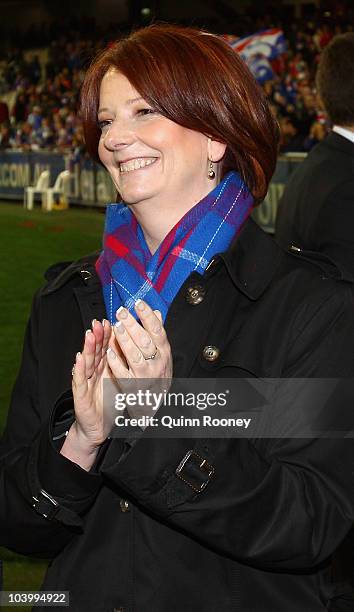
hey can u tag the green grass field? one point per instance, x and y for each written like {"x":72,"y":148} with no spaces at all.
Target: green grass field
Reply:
{"x":30,"y":242}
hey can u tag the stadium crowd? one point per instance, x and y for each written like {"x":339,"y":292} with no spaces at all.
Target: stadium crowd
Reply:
{"x":42,"y":112}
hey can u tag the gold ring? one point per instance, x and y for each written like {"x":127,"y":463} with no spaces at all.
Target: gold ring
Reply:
{"x":153,"y":355}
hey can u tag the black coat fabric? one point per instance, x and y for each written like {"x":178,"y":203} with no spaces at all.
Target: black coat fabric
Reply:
{"x":260,"y":536}
{"x":316,"y":211}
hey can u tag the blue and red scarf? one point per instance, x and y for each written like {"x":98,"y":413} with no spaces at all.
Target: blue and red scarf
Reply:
{"x":127,"y":269}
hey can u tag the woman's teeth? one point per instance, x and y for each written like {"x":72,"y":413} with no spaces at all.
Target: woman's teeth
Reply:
{"x":135,"y":164}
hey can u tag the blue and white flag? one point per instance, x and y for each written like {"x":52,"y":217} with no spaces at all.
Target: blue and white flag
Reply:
{"x":260,"y":68}
{"x":268,"y":43}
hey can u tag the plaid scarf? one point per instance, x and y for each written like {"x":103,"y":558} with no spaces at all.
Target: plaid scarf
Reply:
{"x":127,"y":269}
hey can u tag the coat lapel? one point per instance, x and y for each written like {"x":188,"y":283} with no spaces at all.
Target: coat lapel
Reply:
{"x":250,"y":263}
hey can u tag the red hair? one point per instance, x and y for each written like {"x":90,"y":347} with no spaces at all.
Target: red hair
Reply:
{"x":198,"y":81}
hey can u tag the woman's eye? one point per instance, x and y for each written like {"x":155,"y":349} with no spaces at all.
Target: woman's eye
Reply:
{"x":103,"y":124}
{"x":146,"y":111}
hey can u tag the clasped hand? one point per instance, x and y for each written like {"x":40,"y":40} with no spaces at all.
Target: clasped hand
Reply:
{"x":127,"y":350}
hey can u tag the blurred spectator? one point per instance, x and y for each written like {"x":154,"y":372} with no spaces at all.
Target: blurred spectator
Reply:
{"x":23,"y":136}
{"x":317,"y":133}
{"x":46,"y":134}
{"x":4,"y":112}
{"x":19,"y":111}
{"x":322,"y":37}
{"x":35,"y":118}
{"x":291,"y":137}
{"x":5,"y":137}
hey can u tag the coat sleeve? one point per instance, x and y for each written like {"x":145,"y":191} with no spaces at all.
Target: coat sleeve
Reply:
{"x":279,"y":504}
{"x":29,"y":463}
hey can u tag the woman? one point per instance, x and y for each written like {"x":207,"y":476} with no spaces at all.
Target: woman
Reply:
{"x":197,"y":291}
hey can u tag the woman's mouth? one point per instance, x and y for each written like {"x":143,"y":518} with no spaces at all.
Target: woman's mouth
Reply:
{"x":136,"y":164}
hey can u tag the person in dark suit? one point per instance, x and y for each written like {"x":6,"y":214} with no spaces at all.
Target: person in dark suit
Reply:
{"x":316,"y":211}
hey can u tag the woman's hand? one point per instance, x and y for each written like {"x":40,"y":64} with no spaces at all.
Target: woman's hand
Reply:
{"x":145,"y":347}
{"x":143,"y":353}
{"x":135,"y":352}
{"x":91,"y":428}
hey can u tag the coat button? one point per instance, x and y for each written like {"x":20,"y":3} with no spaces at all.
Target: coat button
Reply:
{"x":211,"y":353}
{"x":195,"y":294}
{"x":124,"y":505}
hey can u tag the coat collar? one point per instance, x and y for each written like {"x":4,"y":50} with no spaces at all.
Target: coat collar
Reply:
{"x":254,"y":257}
{"x":61,"y":273}
{"x":251,"y":260}
{"x":336,"y":141}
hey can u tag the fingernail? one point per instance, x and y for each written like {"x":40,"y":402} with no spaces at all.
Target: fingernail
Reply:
{"x":119,"y":327}
{"x":140,"y":305}
{"x":122,"y":312}
{"x":78,"y":354}
{"x":93,"y":323}
{"x":110,"y":353}
{"x":88,"y":331}
{"x":103,"y":322}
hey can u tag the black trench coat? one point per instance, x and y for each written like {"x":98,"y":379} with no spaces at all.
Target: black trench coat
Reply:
{"x":131,"y":536}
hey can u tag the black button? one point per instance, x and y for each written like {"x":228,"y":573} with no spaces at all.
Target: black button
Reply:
{"x":195,"y":294}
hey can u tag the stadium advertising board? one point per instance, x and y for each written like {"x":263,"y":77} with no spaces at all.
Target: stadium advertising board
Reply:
{"x":90,"y":184}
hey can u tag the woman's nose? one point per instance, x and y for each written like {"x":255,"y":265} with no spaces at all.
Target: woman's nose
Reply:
{"x":118,"y":135}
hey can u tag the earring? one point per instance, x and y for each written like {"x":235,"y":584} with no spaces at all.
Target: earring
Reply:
{"x":211,"y":173}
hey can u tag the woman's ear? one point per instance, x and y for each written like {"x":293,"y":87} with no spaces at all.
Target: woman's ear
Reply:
{"x":216,"y":150}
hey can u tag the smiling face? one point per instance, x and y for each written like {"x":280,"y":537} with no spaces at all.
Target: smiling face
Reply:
{"x":150,"y":158}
